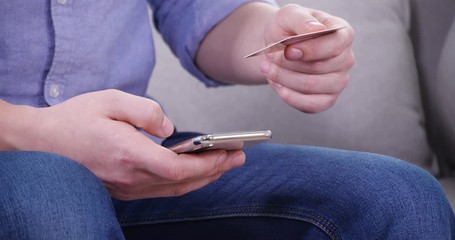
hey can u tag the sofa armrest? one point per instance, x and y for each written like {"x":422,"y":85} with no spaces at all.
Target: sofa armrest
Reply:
{"x":442,"y":108}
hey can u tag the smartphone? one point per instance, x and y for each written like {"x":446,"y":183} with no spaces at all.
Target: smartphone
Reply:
{"x":226,"y":141}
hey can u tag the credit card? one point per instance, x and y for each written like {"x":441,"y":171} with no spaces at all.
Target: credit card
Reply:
{"x":281,"y":45}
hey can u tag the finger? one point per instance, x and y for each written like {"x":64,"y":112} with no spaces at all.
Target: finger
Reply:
{"x":321,"y":48}
{"x":140,"y":112}
{"x":342,"y":62}
{"x":308,"y":103}
{"x":235,"y":158}
{"x":140,"y":183}
{"x":183,"y":167}
{"x":330,"y":83}
{"x":232,"y":160}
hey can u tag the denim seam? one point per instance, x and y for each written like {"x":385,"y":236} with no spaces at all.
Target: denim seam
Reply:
{"x":244,"y":211}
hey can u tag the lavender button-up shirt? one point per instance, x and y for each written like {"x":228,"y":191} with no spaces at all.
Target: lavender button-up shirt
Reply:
{"x":52,"y":50}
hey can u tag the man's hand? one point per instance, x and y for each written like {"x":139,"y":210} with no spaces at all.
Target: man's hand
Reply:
{"x":308,"y":76}
{"x":100,"y":130}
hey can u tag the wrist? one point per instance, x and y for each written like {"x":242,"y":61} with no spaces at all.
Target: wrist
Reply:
{"x":16,"y":125}
{"x":239,"y":34}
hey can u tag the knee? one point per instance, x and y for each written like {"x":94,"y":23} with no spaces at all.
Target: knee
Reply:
{"x":395,"y":188}
{"x":34,"y":171}
{"x":43,"y":191}
{"x":403,"y":181}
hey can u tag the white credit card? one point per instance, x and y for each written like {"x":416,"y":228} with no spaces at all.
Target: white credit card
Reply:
{"x":281,"y":45}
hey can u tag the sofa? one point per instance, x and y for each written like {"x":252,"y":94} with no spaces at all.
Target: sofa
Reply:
{"x":398,"y":101}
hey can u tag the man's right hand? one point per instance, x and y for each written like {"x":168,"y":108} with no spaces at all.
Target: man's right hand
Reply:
{"x":99,"y":130}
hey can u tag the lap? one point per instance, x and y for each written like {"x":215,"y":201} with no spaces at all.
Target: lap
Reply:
{"x":314,"y":191}
{"x":323,"y":187}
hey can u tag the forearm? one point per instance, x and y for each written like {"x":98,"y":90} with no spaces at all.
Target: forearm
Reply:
{"x":221,"y":53}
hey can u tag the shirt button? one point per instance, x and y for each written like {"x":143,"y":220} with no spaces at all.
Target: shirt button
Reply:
{"x":54,"y":90}
{"x":62,"y":1}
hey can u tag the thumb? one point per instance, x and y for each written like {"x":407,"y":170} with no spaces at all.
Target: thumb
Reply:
{"x":295,"y":19}
{"x":142,"y":113}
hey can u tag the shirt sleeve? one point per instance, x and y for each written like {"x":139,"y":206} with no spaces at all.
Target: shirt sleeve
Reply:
{"x":184,"y":24}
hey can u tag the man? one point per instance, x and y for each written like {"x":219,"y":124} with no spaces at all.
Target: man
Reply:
{"x":66,"y":139}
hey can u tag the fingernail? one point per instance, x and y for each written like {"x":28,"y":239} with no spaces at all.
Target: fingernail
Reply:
{"x":295,"y":54}
{"x":276,"y":85}
{"x":314,"y":24}
{"x":167,"y":127}
{"x":238,"y":160}
{"x":265,"y":67}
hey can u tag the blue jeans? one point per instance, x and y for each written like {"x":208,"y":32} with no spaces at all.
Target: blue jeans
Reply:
{"x":282,"y":192}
